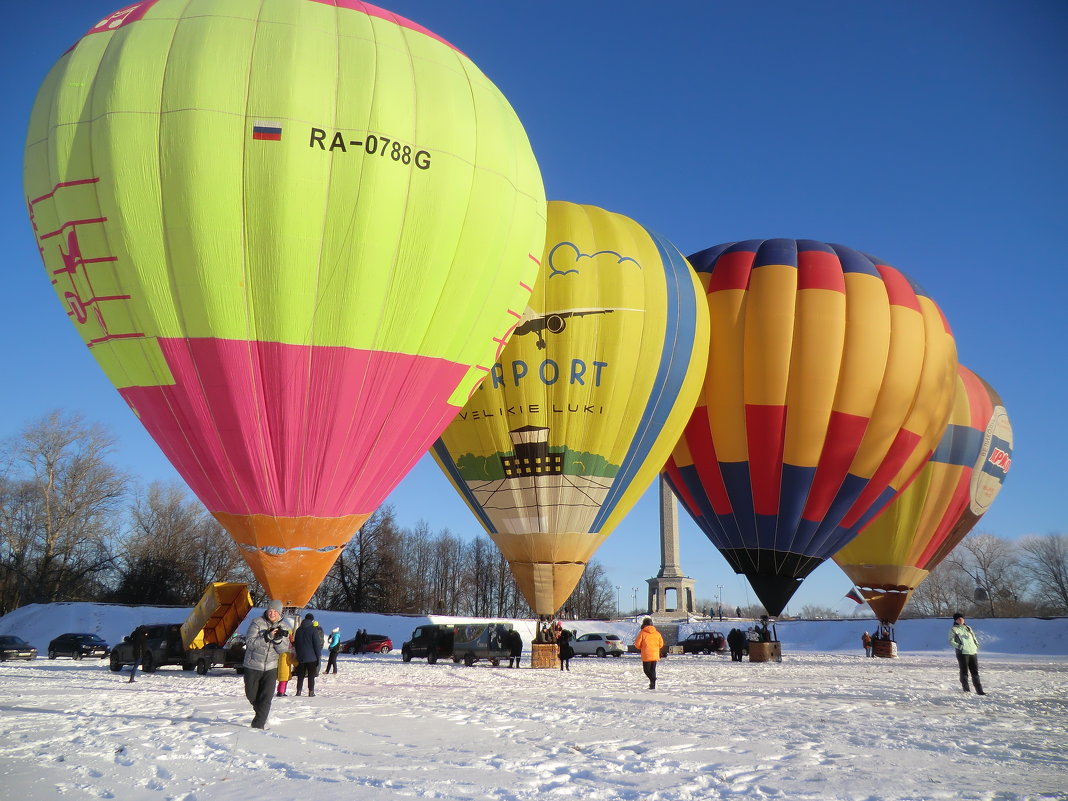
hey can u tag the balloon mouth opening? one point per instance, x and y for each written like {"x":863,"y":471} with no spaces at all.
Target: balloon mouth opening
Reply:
{"x":893,"y":588}
{"x":272,"y":550}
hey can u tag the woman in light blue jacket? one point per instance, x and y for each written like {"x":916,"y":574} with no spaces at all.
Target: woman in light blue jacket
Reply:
{"x":963,"y":639}
{"x":334,"y":644}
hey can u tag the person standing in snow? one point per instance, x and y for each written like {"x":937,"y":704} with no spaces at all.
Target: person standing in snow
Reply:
{"x":287,"y":662}
{"x":138,"y":640}
{"x":963,"y":639}
{"x":563,"y":644}
{"x":309,"y":647}
{"x":865,"y":640}
{"x":515,"y":648}
{"x":649,"y":642}
{"x":265,"y":640}
{"x":736,"y":642}
{"x":334,"y":645}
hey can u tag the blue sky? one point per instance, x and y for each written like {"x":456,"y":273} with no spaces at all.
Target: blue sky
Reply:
{"x":934,"y":135}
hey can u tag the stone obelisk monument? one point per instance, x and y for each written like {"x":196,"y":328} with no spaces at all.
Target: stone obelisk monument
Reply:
{"x":670,"y":576}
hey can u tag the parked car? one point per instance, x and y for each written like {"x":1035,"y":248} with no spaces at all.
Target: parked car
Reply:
{"x":704,"y":642}
{"x":372,"y":644}
{"x":12,"y":647}
{"x":433,"y":641}
{"x":78,"y":646}
{"x":598,"y":645}
{"x":476,"y":641}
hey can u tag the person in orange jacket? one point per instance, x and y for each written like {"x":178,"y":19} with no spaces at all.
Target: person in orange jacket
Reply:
{"x":649,"y":642}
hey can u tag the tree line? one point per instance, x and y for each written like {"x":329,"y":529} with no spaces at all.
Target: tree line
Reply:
{"x":75,"y":527}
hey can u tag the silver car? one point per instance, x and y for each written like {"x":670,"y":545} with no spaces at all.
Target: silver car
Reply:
{"x":598,"y":645}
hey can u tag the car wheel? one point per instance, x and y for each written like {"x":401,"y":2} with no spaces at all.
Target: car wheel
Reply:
{"x":495,"y":662}
{"x":617,"y":654}
{"x":51,"y":653}
{"x":431,"y":656}
{"x":116,"y":665}
{"x":202,"y":667}
{"x":469,"y":659}
{"x":406,"y":655}
{"x":707,"y":651}
{"x":77,"y":655}
{"x":601,"y":653}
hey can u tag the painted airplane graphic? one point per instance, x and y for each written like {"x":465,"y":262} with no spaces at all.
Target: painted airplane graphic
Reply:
{"x":554,"y":323}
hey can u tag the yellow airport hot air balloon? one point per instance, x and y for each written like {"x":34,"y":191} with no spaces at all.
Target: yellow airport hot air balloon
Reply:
{"x":829,"y":383}
{"x":585,"y":403}
{"x":896,"y":551}
{"x":295,"y":234}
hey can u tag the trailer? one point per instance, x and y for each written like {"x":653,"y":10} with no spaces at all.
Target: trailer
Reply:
{"x":205,"y":640}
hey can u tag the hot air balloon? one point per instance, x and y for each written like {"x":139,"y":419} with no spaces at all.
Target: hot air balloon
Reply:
{"x":829,"y":382}
{"x":578,"y":415}
{"x":897,"y":549}
{"x":295,"y":235}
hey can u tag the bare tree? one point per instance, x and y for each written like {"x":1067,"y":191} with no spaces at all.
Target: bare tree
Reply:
{"x":174,"y":550}
{"x":947,"y":589}
{"x":365,"y":575}
{"x":1045,"y":562}
{"x":993,"y":565}
{"x":59,"y":499}
{"x":594,"y":595}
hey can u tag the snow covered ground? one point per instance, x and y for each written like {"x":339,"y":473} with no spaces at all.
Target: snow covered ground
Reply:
{"x":825,"y":723}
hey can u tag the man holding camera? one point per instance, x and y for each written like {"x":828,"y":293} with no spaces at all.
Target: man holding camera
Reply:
{"x":265,"y":640}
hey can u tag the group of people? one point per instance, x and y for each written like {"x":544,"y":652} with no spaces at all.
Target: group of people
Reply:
{"x":274,"y":652}
{"x":738,"y":643}
{"x":552,"y":632}
{"x":269,"y":646}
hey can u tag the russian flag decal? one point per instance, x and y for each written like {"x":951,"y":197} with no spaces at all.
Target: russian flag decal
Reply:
{"x":271,"y":131}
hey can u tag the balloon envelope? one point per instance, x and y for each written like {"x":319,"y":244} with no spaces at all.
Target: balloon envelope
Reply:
{"x":829,"y":382}
{"x":294,"y":234}
{"x":896,"y":551}
{"x":578,"y":416}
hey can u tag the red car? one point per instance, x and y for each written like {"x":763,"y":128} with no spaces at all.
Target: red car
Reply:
{"x":372,"y":644}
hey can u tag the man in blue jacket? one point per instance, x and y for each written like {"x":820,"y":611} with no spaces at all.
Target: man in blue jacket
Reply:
{"x":963,"y":639}
{"x":308,"y":645}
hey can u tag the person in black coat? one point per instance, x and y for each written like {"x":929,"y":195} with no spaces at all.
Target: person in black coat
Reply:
{"x":563,"y":642}
{"x":515,"y":648}
{"x":308,"y":645}
{"x":736,"y":642}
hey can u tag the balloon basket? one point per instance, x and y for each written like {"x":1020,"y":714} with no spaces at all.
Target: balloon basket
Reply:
{"x":887,"y":649}
{"x":544,"y":655}
{"x":765,"y":652}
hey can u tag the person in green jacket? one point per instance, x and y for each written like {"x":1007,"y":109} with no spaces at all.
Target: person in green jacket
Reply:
{"x":963,"y":639}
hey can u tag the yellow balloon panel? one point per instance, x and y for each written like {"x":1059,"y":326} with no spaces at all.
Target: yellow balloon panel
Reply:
{"x":580,"y":412}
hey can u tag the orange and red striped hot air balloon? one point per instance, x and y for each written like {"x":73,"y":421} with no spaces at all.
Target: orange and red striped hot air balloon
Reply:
{"x":829,"y":383}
